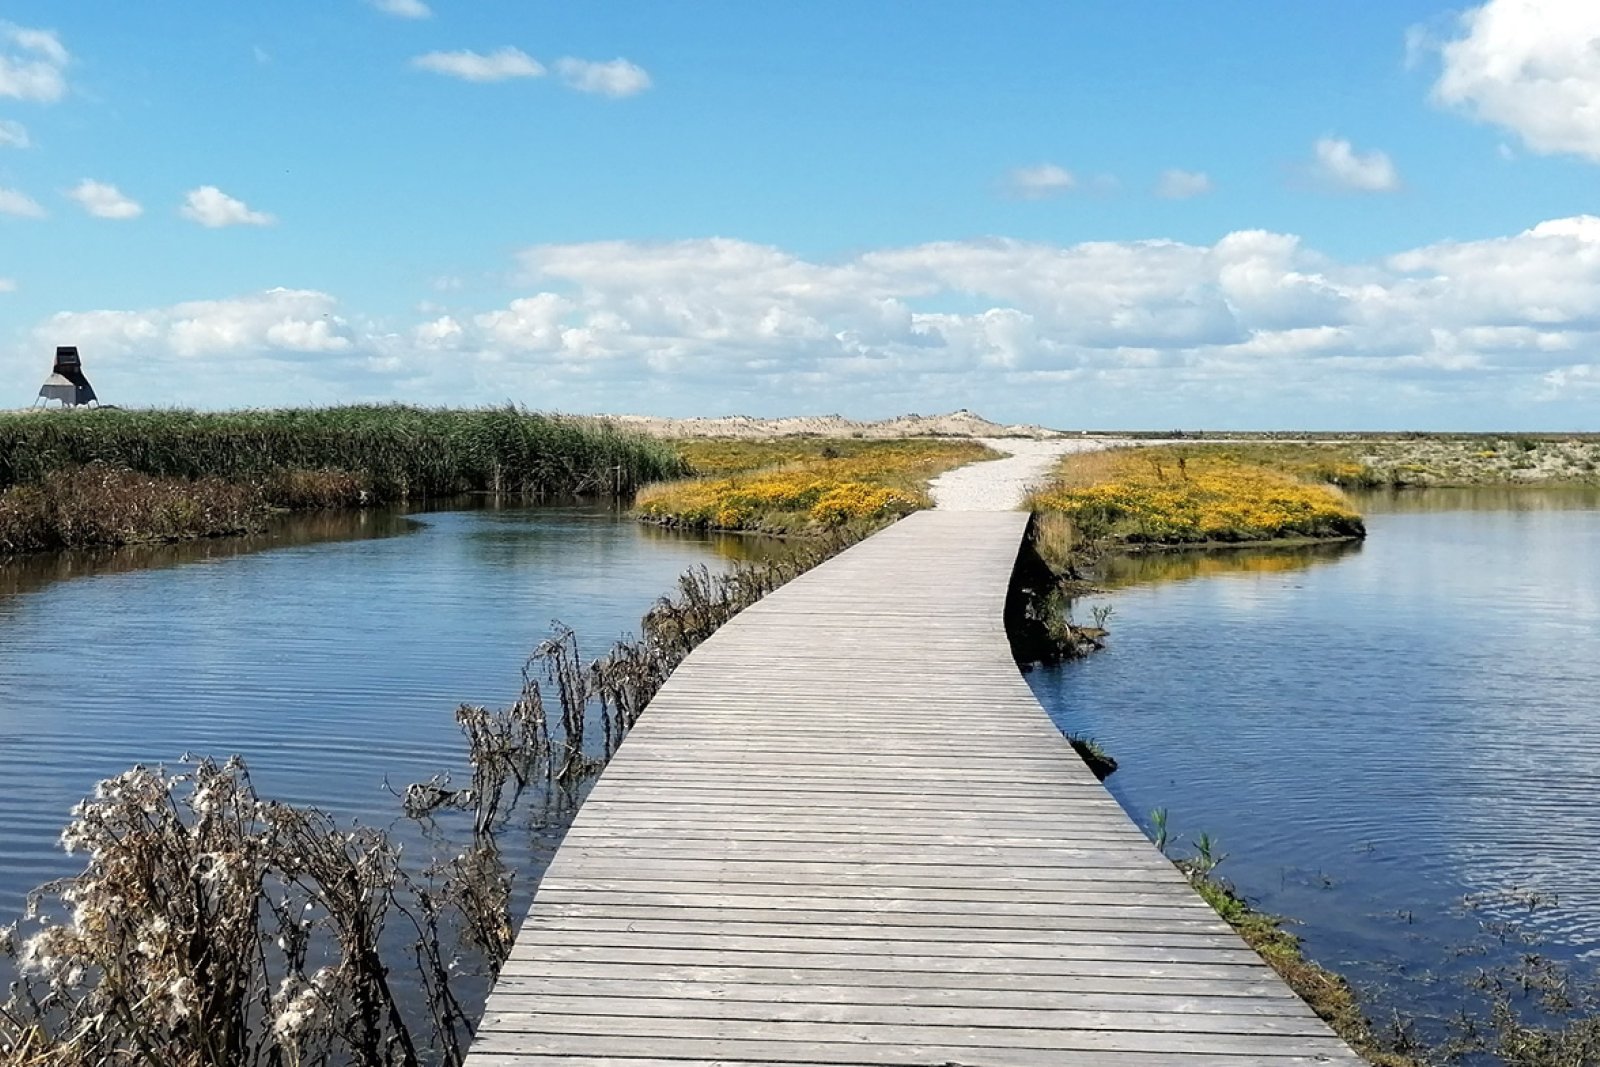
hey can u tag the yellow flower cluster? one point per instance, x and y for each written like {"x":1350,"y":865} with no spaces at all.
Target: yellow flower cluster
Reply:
{"x":1170,"y":496}
{"x":796,"y":484}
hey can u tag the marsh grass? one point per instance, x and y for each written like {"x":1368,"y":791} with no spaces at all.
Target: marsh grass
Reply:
{"x":393,"y":451}
{"x":1397,"y":461}
{"x":111,"y":477}
{"x":803,"y":485}
{"x":103,"y":505}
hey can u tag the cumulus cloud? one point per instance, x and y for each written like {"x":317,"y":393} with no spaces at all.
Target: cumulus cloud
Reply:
{"x":1254,"y":327}
{"x":19,"y":204}
{"x":104,"y":201}
{"x":214,"y":209}
{"x":1183,"y":184}
{"x":499,"y":65}
{"x":33,"y":64}
{"x":403,"y":9}
{"x":1532,"y":67}
{"x":615,"y":78}
{"x":1336,"y":162}
{"x":278,"y":320}
{"x":1040,"y":181}
{"x":1253,"y":306}
{"x":1578,"y":379}
{"x":13,"y":134}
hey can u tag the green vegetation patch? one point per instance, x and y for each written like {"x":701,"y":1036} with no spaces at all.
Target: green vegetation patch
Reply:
{"x":804,"y":485}
{"x":1180,"y":495}
{"x":394,"y":452}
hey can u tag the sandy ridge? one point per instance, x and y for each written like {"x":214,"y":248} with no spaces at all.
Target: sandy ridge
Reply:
{"x":961,"y":423}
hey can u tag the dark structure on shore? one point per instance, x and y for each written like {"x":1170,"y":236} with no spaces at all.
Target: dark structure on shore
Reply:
{"x":67,"y":382}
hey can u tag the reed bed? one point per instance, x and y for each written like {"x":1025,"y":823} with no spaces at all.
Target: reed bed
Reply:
{"x":1190,"y":495}
{"x":101,"y":505}
{"x":395,"y":452}
{"x":803,"y":485}
{"x":111,"y":477}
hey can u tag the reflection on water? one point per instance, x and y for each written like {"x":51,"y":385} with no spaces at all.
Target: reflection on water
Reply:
{"x":333,"y":661}
{"x":1163,"y":566}
{"x":1386,"y":741}
{"x":24,"y":574}
{"x":1478,"y":498}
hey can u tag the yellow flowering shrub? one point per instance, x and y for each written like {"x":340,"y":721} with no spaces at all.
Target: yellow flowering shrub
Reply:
{"x":799,"y":484}
{"x":1187,"y":495}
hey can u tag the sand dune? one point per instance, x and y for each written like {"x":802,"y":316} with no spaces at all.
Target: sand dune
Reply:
{"x":961,"y":423}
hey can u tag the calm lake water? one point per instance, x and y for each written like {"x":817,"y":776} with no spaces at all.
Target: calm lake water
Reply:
{"x":331,"y":655}
{"x":1396,"y":743}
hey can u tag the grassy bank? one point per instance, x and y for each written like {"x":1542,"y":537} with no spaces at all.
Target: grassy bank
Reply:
{"x":1188,"y":495}
{"x":1429,"y":460}
{"x":1329,"y":995}
{"x":108,"y":477}
{"x":803,"y":485}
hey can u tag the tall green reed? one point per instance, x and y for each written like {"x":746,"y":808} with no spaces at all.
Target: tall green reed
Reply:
{"x":398,"y":452}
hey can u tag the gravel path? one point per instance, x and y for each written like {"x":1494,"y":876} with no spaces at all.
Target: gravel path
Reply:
{"x":1000,"y":484}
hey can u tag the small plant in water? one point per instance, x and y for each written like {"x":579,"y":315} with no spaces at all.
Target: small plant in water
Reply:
{"x":1158,"y":829}
{"x":1206,"y":857}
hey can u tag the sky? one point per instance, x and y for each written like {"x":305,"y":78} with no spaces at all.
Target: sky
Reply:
{"x":1251,"y":214}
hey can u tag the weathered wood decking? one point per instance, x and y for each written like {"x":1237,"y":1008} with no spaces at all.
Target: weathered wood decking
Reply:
{"x":845,"y":833}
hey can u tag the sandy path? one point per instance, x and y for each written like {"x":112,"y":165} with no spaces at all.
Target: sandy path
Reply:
{"x":1000,"y":484}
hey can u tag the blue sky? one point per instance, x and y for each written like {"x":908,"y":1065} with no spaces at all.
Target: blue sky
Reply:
{"x":1097,"y":214}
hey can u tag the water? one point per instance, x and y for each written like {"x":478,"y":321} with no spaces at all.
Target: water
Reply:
{"x":331,"y":654}
{"x":1396,"y":743}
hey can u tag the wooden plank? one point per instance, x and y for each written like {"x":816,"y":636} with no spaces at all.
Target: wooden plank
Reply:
{"x":759,"y":1006}
{"x":844,"y":833}
{"x":926,"y":996}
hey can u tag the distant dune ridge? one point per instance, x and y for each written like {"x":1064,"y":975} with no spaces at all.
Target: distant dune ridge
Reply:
{"x":961,"y":423}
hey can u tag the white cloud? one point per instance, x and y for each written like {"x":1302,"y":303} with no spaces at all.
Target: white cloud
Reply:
{"x":1340,"y":165}
{"x":278,"y":320}
{"x":213,"y":208}
{"x":499,"y":65}
{"x":1255,"y":327}
{"x":1039,"y":182}
{"x":8,"y":285}
{"x":1579,"y":379}
{"x":104,"y":201}
{"x":13,"y":134}
{"x":442,"y":332}
{"x":403,"y":9}
{"x":19,"y":204}
{"x":32,"y":64}
{"x":1183,"y":184}
{"x":615,"y":78}
{"x":1532,"y":67}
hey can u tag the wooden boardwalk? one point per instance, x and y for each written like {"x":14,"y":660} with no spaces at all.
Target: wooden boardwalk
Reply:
{"x":845,"y":833}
